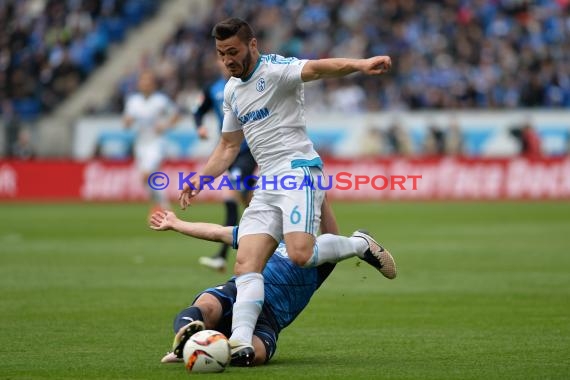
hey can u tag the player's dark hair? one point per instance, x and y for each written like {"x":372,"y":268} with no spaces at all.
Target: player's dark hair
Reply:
{"x":233,"y":27}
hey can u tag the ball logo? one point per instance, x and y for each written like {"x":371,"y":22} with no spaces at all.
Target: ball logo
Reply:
{"x":260,"y":86}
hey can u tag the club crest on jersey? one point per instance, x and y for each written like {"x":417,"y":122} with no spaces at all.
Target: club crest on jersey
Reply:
{"x":260,"y":85}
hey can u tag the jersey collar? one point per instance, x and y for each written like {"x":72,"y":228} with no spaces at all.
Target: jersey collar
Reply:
{"x":254,"y":70}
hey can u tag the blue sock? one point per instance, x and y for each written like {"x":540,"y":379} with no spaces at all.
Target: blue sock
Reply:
{"x":192,"y":313}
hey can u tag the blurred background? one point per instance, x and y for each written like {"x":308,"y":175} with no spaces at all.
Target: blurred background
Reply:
{"x":477,"y":87}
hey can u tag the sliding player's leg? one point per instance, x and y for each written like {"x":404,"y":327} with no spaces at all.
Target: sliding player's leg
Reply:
{"x":212,"y":309}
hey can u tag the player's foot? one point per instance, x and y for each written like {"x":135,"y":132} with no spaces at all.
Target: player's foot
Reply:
{"x":184,"y":334}
{"x":242,"y":354}
{"x":171,"y":357}
{"x":217,"y":263}
{"x":377,"y":256}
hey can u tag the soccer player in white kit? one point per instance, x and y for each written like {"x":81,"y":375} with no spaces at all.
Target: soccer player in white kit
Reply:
{"x":263,"y":102}
{"x":150,"y":113}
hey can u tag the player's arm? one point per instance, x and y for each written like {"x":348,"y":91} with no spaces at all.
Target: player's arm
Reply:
{"x":328,"y":220}
{"x":167,"y":220}
{"x":204,"y":107}
{"x":339,"y":67}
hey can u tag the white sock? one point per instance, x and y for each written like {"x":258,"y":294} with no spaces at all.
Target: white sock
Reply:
{"x":333,"y":249}
{"x":249,"y":301}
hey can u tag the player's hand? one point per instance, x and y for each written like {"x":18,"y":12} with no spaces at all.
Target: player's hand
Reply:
{"x":377,"y":65}
{"x":162,"y":220}
{"x":203,"y":133}
{"x":188,"y":192}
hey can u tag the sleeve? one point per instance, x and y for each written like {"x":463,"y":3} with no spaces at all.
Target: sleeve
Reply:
{"x":205,"y":106}
{"x":231,"y":122}
{"x":290,"y":69}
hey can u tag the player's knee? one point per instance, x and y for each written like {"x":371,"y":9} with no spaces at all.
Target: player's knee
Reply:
{"x":242,"y":266}
{"x":211,"y":309}
{"x":300,"y":254}
{"x":300,"y":247}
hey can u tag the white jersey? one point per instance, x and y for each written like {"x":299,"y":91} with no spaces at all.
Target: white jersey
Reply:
{"x":147,"y":112}
{"x":269,"y":107}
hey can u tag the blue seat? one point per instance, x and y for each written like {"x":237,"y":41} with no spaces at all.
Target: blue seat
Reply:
{"x":27,"y":109}
{"x":181,"y":142}
{"x":326,"y":140}
{"x":115,"y":145}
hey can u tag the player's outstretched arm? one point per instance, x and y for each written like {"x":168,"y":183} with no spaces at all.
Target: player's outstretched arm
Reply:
{"x":339,"y":67}
{"x":167,"y":220}
{"x":220,"y":160}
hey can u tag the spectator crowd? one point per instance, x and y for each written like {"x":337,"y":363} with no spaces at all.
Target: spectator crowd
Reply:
{"x":49,"y":47}
{"x":447,"y":54}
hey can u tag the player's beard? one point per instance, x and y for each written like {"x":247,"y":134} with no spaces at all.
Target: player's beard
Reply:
{"x":246,"y":64}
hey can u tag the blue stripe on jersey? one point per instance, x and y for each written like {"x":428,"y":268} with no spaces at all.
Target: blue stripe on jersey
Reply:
{"x":301,"y":162}
{"x":309,"y":183}
{"x":307,"y":201}
{"x":312,"y":192}
{"x":235,"y":237}
{"x":274,"y":58}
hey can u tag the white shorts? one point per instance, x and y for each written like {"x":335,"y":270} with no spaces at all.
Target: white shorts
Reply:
{"x":148,"y":155}
{"x":278,"y":211}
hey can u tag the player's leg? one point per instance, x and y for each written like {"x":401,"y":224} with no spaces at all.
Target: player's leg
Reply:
{"x":265,"y":337}
{"x":212,"y":309}
{"x":253,"y":252}
{"x":148,"y":158}
{"x":333,"y":249}
{"x":259,"y":232}
{"x":301,"y":218}
{"x":207,"y":309}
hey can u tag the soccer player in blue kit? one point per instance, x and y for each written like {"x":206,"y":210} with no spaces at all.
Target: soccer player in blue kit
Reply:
{"x":242,"y":168}
{"x":212,"y":308}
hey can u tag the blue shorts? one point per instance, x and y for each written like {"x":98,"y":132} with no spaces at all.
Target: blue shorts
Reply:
{"x":266,"y":328}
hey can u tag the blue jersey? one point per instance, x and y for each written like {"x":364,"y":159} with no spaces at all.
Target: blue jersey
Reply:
{"x":289,"y":287}
{"x":214,"y":100}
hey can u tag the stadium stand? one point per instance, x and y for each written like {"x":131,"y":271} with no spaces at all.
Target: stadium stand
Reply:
{"x":448,"y":54}
{"x":48,"y":48}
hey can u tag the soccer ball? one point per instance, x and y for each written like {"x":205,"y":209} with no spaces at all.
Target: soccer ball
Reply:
{"x":206,"y":351}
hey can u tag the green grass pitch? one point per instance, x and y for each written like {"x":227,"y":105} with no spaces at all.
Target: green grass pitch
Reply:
{"x":89,"y":292}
